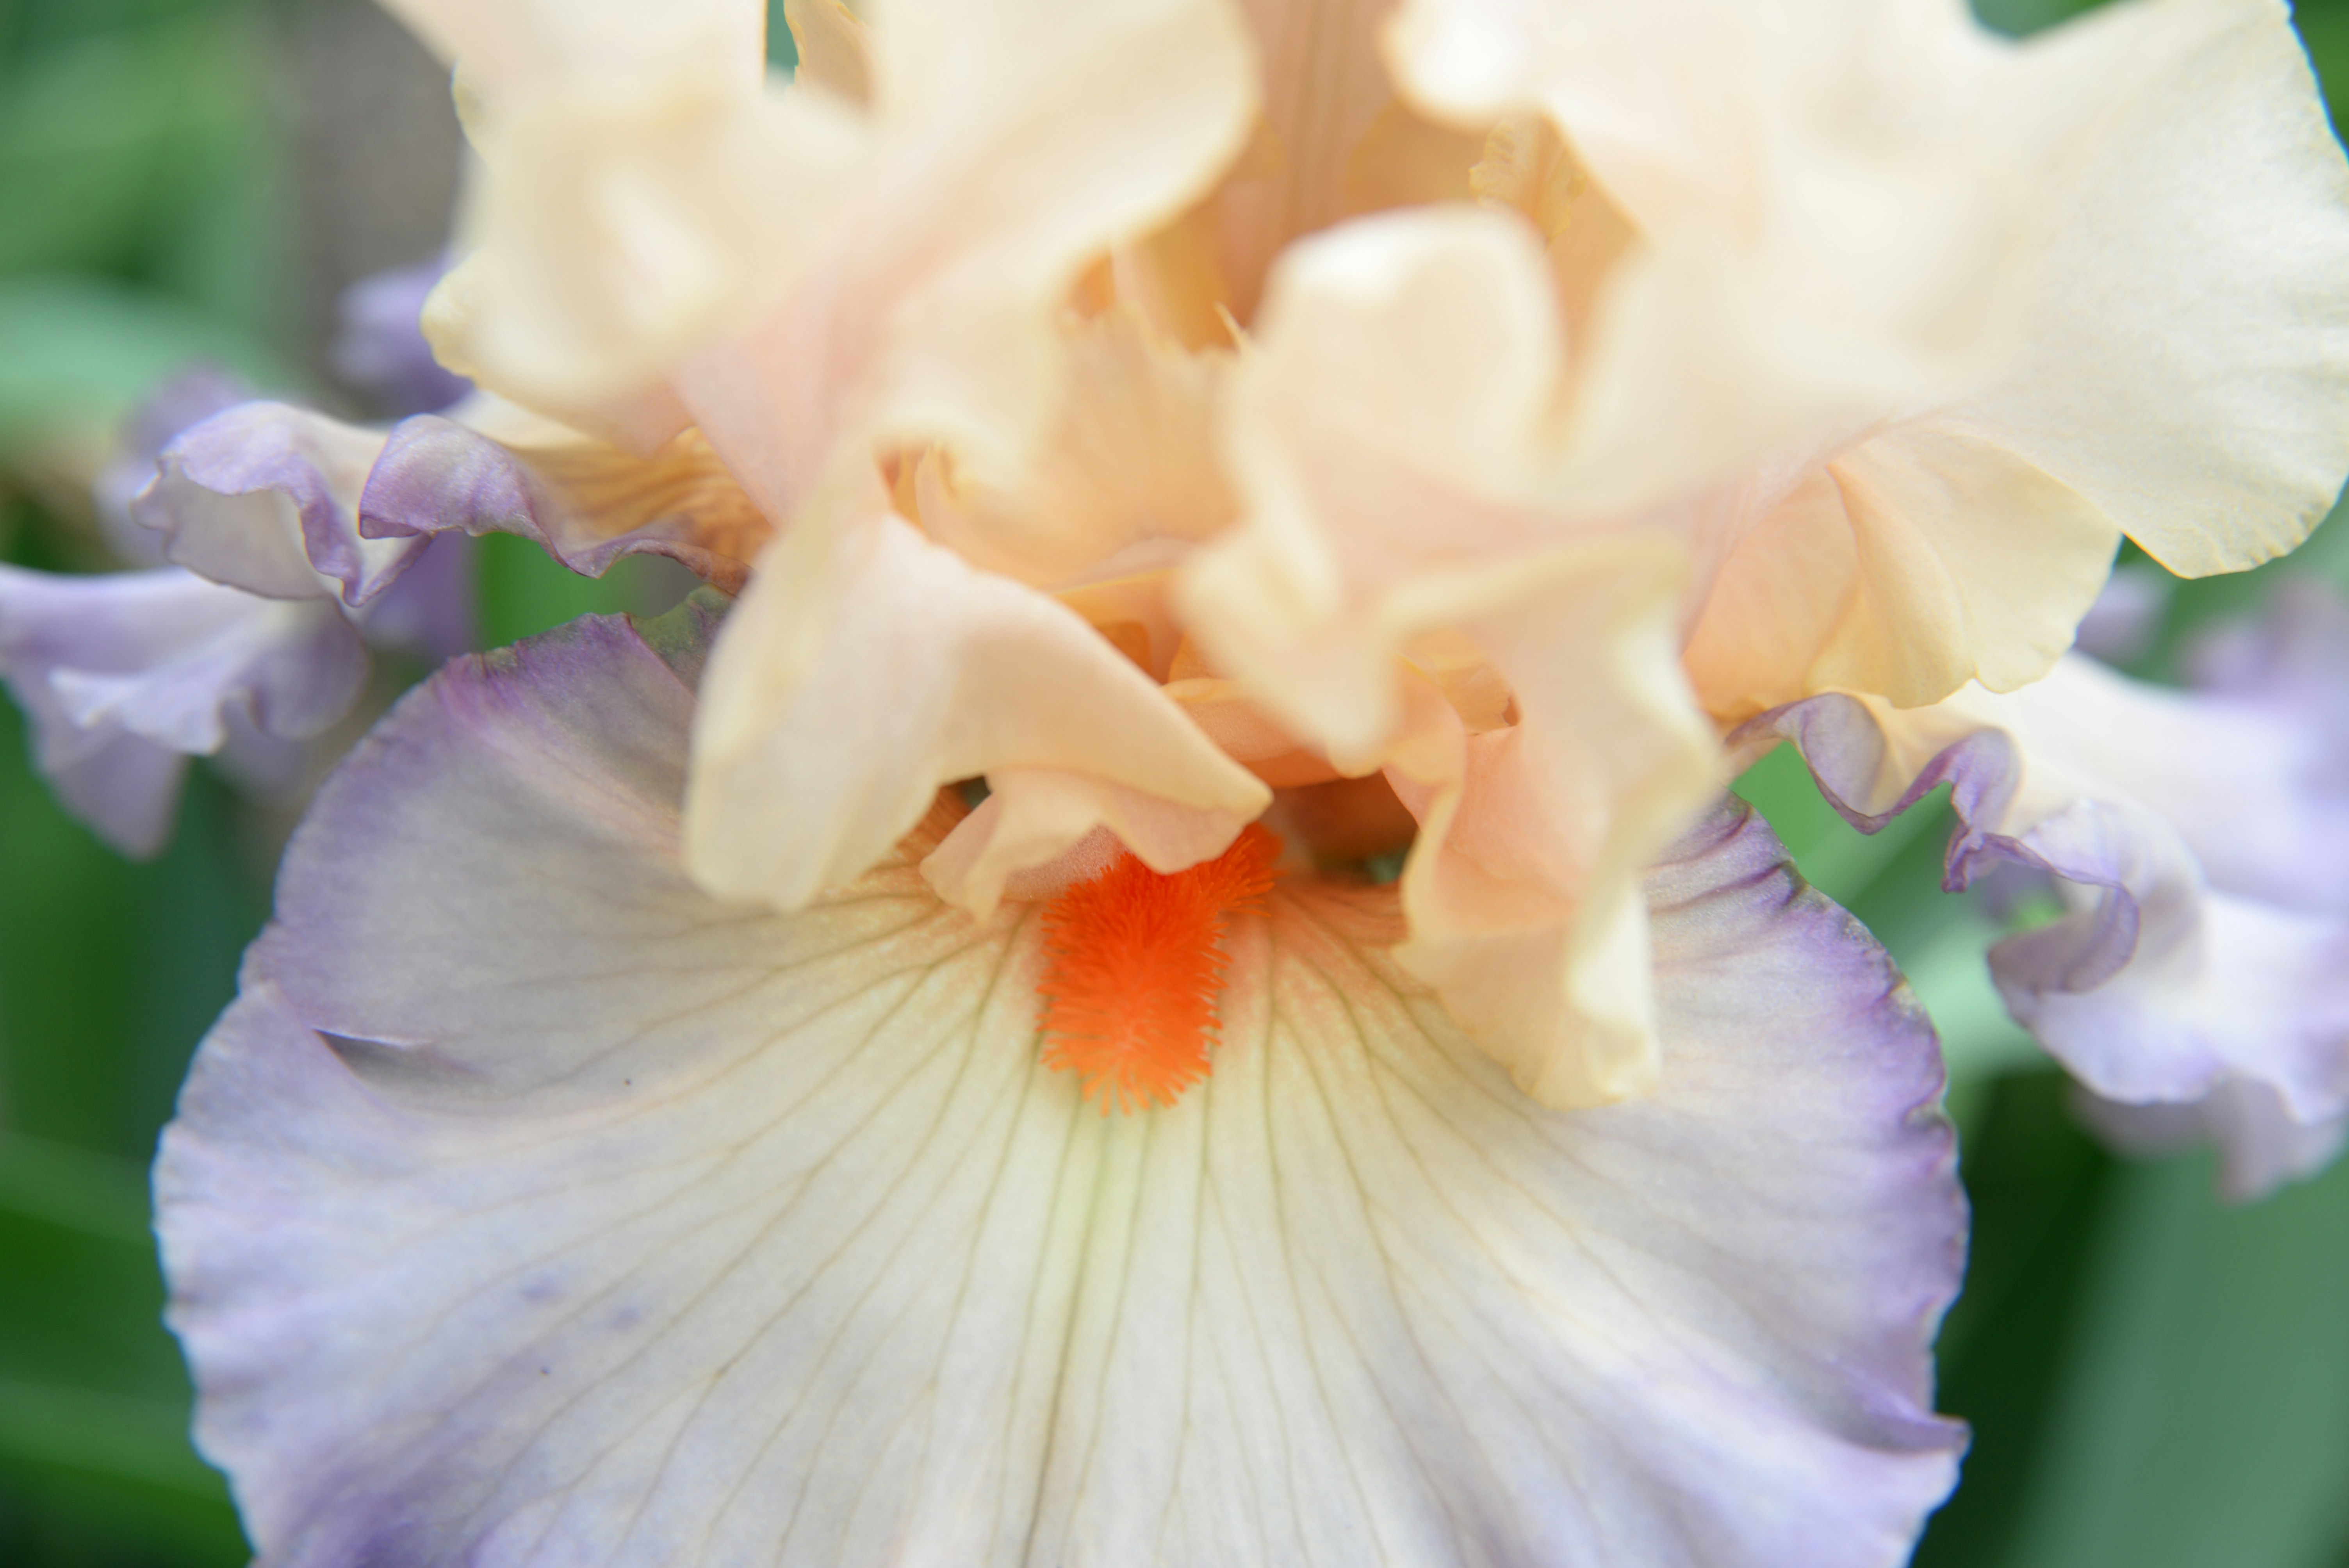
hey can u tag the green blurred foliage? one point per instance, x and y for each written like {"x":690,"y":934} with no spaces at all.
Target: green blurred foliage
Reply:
{"x":2154,"y":1379}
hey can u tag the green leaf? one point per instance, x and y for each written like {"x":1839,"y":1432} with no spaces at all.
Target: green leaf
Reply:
{"x":524,"y":591}
{"x":2037,"y":1186}
{"x":2203,"y":1416}
{"x":80,"y":349}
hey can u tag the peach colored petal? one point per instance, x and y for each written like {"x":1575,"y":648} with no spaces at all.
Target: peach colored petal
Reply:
{"x":1920,"y":560}
{"x":836,"y":50}
{"x":1523,"y":889}
{"x":1131,"y":457}
{"x":1009,"y":145}
{"x":865,"y":667}
{"x":1387,"y":427}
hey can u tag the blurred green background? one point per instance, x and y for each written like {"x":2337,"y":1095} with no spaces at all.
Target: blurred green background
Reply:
{"x":2155,"y":1381}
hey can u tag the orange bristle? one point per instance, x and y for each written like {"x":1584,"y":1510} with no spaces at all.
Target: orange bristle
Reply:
{"x":1136,"y":963}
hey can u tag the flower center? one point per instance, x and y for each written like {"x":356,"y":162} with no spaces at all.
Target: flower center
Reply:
{"x":1136,"y":963}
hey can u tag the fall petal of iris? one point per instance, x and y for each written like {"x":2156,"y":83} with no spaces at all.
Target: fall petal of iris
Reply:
{"x":530,"y":1203}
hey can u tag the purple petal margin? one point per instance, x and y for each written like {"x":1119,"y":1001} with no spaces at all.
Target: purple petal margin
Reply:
{"x":436,"y":475}
{"x":220,"y":485}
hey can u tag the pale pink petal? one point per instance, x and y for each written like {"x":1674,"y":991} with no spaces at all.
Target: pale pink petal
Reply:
{"x":1009,"y":147}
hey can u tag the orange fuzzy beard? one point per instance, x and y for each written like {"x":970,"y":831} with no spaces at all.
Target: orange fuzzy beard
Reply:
{"x":1136,"y":961}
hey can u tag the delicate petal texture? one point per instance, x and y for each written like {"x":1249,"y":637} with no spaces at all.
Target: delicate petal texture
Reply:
{"x":1820,"y":242}
{"x":1011,"y":144}
{"x":1325,"y":89}
{"x":2205,"y":842}
{"x":126,"y":674}
{"x":640,"y":188}
{"x":2189,"y":365}
{"x":1132,"y":460}
{"x":589,"y":503}
{"x":850,"y":685}
{"x":380,"y":341}
{"x":2017,"y":298}
{"x":532,"y":1207}
{"x":1388,"y":437}
{"x":264,"y":497}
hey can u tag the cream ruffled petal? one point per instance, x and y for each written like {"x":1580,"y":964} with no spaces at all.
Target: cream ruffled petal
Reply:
{"x":865,"y":667}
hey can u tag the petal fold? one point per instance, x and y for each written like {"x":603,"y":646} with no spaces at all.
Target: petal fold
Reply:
{"x":264,"y":497}
{"x":828,"y":727}
{"x":496,"y":469}
{"x":2201,"y":842}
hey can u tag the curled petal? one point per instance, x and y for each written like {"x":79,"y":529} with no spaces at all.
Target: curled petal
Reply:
{"x":264,"y":497}
{"x":1896,"y":572}
{"x":627,"y":213}
{"x":2187,"y":349}
{"x":125,"y":674}
{"x":2203,"y":845}
{"x":530,"y":1204}
{"x":828,"y":725}
{"x":588,"y":504}
{"x":1130,"y":459}
{"x":1806,"y":218}
{"x":1522,"y":888}
{"x":1386,"y":430}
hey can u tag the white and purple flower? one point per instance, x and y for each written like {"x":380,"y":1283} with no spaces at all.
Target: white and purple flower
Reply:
{"x":677,"y":1116}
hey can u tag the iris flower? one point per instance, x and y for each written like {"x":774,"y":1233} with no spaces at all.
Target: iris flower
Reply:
{"x":913,"y":1063}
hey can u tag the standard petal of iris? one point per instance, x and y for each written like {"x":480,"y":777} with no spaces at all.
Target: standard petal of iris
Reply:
{"x":2202,"y":843}
{"x":866,"y":667}
{"x":1386,"y":430}
{"x":2018,"y":298}
{"x":530,"y":1203}
{"x":1522,"y":889}
{"x":126,"y":674}
{"x":1009,"y":147}
{"x":2186,"y":370}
